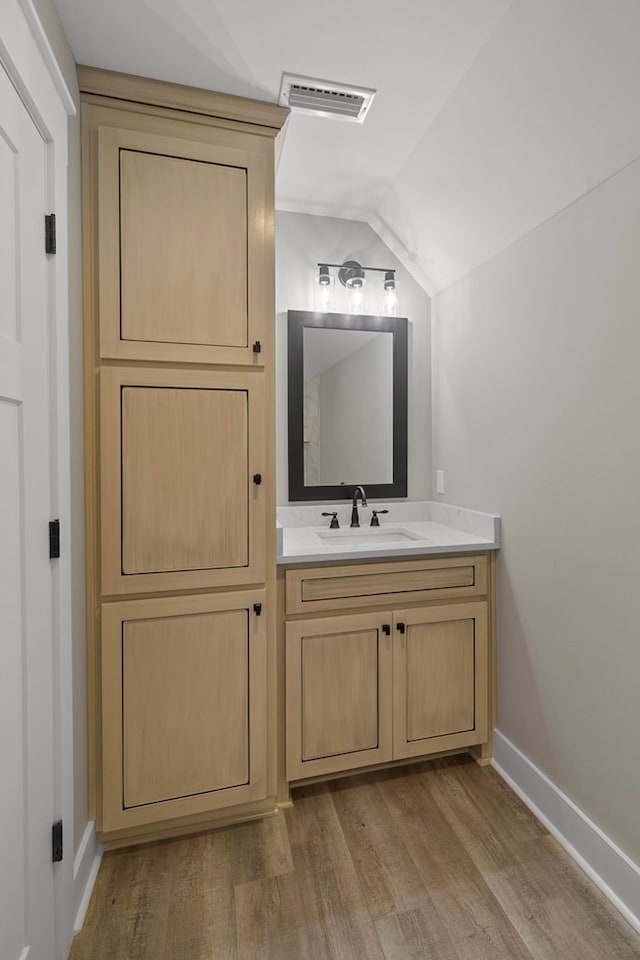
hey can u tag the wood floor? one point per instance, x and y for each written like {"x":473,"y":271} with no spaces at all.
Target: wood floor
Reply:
{"x":438,"y":861}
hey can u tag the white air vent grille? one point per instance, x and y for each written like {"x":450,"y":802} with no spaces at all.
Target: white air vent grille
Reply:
{"x":325,"y":98}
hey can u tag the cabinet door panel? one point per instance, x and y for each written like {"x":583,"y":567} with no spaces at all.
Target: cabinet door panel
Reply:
{"x":184,"y":479}
{"x":338,"y":694}
{"x":183,"y":250}
{"x":179,"y":451}
{"x":440,"y":666}
{"x":185,"y":259}
{"x":440,"y":678}
{"x":183,"y":706}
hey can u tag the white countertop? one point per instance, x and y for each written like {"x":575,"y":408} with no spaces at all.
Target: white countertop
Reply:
{"x":410,"y":529}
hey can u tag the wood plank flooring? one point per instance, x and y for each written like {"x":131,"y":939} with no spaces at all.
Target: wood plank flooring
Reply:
{"x":437,"y":861}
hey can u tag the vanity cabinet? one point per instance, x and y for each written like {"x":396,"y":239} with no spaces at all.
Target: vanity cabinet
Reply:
{"x":178,"y":217}
{"x":409,"y":679}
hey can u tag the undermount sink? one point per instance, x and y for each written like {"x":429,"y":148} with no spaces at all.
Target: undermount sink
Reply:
{"x":364,"y":538}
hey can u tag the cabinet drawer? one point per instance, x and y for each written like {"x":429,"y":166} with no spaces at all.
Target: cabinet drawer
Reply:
{"x":382,"y":584}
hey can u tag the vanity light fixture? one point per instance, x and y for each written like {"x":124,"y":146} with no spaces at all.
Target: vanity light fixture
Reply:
{"x":352,"y":276}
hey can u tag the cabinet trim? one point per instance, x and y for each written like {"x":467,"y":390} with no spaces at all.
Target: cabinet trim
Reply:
{"x":125,"y":86}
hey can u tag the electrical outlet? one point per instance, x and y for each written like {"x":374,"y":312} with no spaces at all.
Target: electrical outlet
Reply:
{"x":439,"y":481}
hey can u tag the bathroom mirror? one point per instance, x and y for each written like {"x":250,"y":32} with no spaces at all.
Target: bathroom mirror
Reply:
{"x":347,"y":405}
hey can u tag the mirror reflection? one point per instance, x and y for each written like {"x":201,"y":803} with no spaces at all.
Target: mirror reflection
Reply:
{"x":347,"y":423}
{"x":348,"y":406}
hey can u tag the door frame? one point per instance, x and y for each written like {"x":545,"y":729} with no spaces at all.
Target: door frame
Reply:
{"x":29,"y":61}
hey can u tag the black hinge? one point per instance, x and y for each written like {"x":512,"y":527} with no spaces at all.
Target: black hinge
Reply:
{"x":50,"y":233}
{"x":257,"y":479}
{"x":54,"y":539}
{"x":257,"y":347}
{"x":257,"y":609}
{"x":56,"y":842}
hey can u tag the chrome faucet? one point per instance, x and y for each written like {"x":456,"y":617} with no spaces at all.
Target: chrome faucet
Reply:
{"x":355,"y":519}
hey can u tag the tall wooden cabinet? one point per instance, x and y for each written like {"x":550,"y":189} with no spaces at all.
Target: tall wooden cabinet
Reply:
{"x":179,"y":347}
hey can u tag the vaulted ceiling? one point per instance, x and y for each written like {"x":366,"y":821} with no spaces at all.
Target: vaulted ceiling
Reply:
{"x":490,"y":115}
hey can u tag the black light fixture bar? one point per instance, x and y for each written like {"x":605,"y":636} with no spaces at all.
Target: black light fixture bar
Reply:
{"x":338,"y":266}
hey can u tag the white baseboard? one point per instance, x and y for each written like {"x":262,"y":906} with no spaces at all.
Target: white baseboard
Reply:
{"x":607,"y":865}
{"x":85,"y":870}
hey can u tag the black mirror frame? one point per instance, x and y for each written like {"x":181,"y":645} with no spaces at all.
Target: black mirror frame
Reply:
{"x":398,"y":327}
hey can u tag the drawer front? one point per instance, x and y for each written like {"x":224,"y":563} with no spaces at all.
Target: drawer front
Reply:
{"x":384,"y":584}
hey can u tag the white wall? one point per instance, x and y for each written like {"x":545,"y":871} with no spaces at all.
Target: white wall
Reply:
{"x":536,"y":417}
{"x":303,"y":240}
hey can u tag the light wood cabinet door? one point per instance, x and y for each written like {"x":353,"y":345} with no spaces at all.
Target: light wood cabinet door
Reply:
{"x":181,"y":247}
{"x":184,"y":706}
{"x":440,"y":678}
{"x":338,"y":698}
{"x":181,"y":461}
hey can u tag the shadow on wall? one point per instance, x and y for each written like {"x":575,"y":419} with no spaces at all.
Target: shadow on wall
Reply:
{"x":514,"y":646}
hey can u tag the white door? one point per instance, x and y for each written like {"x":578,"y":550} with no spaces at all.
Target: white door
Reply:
{"x":26,"y":670}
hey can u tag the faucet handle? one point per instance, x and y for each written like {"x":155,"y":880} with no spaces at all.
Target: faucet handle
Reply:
{"x":334,"y":525}
{"x":374,"y":517}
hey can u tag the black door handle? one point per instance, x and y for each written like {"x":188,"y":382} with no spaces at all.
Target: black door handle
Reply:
{"x":400,"y":627}
{"x":386,"y":629}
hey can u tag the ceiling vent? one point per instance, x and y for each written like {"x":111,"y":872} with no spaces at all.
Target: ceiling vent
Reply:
{"x":325,"y":98}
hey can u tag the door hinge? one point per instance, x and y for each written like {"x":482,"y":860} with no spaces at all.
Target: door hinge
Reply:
{"x":54,"y":539}
{"x":50,"y":233}
{"x":56,"y":842}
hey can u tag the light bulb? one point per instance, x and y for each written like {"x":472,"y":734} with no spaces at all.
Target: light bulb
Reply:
{"x":390,"y":294}
{"x":323,"y":291}
{"x":356,"y":297}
